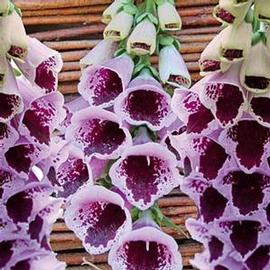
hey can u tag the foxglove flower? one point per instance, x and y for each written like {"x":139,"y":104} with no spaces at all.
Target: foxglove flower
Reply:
{"x":236,"y":42}
{"x":142,"y":39}
{"x":232,"y":11}
{"x":98,"y":133}
{"x":8,"y":137}
{"x":41,"y":65}
{"x":11,"y":102}
{"x":169,"y":18}
{"x":262,"y":10}
{"x":172,"y":68}
{"x":13,"y":43}
{"x":146,"y":247}
{"x":89,"y":214}
{"x":102,"y":52}
{"x":210,"y":58}
{"x":110,"y":12}
{"x":189,"y":109}
{"x":145,"y":102}
{"x":256,"y":79}
{"x":100,"y":85}
{"x":119,"y":27}
{"x":223,"y":95}
{"x":145,"y":173}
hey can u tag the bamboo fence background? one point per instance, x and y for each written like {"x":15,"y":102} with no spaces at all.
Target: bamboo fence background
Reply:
{"x":73,"y":27}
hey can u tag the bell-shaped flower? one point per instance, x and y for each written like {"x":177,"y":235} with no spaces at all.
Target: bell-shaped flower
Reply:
{"x":102,"y":52}
{"x":100,"y":85}
{"x":232,"y":11}
{"x":89,"y":214}
{"x":144,"y":248}
{"x":262,"y":10}
{"x":256,"y":78}
{"x":119,"y":27}
{"x":11,"y":102}
{"x":172,"y":68}
{"x":169,"y":18}
{"x":144,"y":173}
{"x":41,"y":65}
{"x":236,"y":42}
{"x":98,"y":133}
{"x":41,"y":117}
{"x":13,"y":43}
{"x":210,"y":58}
{"x":202,"y":156}
{"x":249,"y":151}
{"x":145,"y":102}
{"x":110,"y":12}
{"x":189,"y":109}
{"x":222,"y":93}
{"x":8,"y":137}
{"x":142,"y":40}
{"x":69,"y":172}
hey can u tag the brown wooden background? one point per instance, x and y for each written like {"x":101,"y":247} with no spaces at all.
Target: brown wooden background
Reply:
{"x":73,"y":27}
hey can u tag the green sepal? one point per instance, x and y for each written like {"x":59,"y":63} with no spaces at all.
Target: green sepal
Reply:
{"x":17,"y":72}
{"x":135,"y":212}
{"x":161,"y":2}
{"x":152,"y":18}
{"x":130,"y":9}
{"x":105,"y":182}
{"x":259,"y":37}
{"x":13,"y":8}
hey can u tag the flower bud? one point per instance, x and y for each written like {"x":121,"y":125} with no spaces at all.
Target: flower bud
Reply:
{"x":169,"y":19}
{"x":102,"y":52}
{"x":143,"y":39}
{"x":210,"y":57}
{"x":13,"y":39}
{"x":255,"y":71}
{"x":262,"y":10}
{"x":232,"y":11}
{"x":119,"y":27}
{"x":111,"y":11}
{"x":236,"y":42}
{"x":172,"y":68}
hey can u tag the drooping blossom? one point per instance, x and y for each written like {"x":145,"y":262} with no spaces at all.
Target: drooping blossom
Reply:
{"x":98,"y":133}
{"x":145,"y":102}
{"x":98,"y":217}
{"x":110,"y":12}
{"x":100,"y":85}
{"x":172,"y":68}
{"x":119,"y":27}
{"x":169,"y":18}
{"x":144,"y":173}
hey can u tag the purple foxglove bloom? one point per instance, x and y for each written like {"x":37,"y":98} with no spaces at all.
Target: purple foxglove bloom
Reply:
{"x":172,"y":68}
{"x":41,"y":117}
{"x":232,"y":11}
{"x":249,"y":151}
{"x":89,"y":214}
{"x":145,"y":173}
{"x":145,"y":102}
{"x":8,"y":137}
{"x":10,"y":100}
{"x":41,"y":65}
{"x":223,"y":95}
{"x":145,"y":248}
{"x":100,"y":85}
{"x":202,"y":156}
{"x":189,"y":109}
{"x":98,"y":133}
{"x":13,"y":43}
{"x":69,"y":172}
{"x":256,"y":79}
{"x":102,"y":52}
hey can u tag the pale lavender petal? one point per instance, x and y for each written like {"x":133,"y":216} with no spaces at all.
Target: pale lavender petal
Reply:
{"x":89,"y":214}
{"x":8,"y":136}
{"x":98,"y":133}
{"x":145,"y":103}
{"x":41,"y":65}
{"x":145,"y":173}
{"x":100,"y":85}
{"x":145,"y":248}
